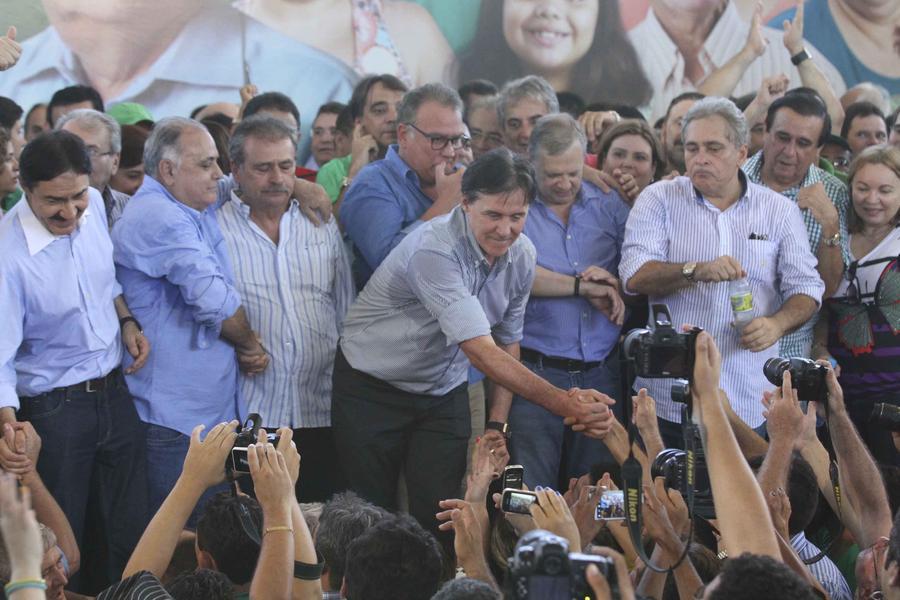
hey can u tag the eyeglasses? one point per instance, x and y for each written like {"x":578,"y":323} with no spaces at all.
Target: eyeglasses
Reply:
{"x":439,"y":142}
{"x":94,"y":152}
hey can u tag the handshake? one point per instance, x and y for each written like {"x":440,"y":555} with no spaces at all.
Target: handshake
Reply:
{"x":588,"y":412}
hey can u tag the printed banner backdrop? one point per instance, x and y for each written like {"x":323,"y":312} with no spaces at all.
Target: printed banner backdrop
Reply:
{"x":174,"y":55}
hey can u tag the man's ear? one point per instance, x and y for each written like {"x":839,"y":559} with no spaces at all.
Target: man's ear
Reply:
{"x":166,"y":172}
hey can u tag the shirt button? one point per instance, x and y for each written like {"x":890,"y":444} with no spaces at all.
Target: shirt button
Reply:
{"x":568,"y":237}
{"x":575,"y":263}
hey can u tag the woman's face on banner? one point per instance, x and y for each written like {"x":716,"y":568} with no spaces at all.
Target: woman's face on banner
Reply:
{"x":550,"y":34}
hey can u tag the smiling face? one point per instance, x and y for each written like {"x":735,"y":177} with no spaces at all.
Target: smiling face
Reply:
{"x":192,"y":179}
{"x":876,"y":195}
{"x":60,"y":202}
{"x":790,"y":147}
{"x":632,"y":154}
{"x":496,"y":221}
{"x":549,"y":35}
{"x":521,"y":118}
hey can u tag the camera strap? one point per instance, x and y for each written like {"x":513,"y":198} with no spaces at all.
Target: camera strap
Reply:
{"x":633,"y":473}
{"x":834,"y":475}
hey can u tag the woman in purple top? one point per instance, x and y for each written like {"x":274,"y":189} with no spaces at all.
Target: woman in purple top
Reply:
{"x":863,"y":317}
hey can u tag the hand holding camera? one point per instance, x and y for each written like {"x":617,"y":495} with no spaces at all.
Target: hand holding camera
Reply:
{"x":550,"y":512}
{"x":665,"y":517}
{"x":204,"y":464}
{"x":784,"y":418}
{"x":707,"y":370}
{"x":605,"y":584}
{"x":271,"y":482}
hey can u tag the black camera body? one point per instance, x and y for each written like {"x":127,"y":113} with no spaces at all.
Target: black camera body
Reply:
{"x":807,"y":377}
{"x":886,"y":415}
{"x":662,"y":352}
{"x":236,"y":463}
{"x":542,"y":568}
{"x":672,"y":465}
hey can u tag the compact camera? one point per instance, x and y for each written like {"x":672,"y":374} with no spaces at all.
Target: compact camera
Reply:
{"x":672,"y":465}
{"x":807,"y":377}
{"x":662,"y":352}
{"x":236,"y":463}
{"x":542,"y":568}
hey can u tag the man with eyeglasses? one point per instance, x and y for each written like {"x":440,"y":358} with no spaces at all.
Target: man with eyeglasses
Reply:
{"x":102,"y":136}
{"x":419,"y":178}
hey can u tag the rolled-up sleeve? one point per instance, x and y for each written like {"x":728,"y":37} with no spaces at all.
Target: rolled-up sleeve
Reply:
{"x":437,"y":281}
{"x":796,"y":263}
{"x":645,"y":236}
{"x":174,"y":250}
{"x":12,"y":318}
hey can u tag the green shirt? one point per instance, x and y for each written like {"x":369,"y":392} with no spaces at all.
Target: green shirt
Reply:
{"x":457,"y":20}
{"x":332,"y":174}
{"x":10,"y":200}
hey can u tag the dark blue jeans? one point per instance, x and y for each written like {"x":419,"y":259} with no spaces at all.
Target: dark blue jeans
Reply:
{"x":551,"y":452}
{"x":92,"y":444}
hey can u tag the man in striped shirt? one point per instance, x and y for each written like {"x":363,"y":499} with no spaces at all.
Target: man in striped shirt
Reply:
{"x":687,"y":238}
{"x":294,"y":280}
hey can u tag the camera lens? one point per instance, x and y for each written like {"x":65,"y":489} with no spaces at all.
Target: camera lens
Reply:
{"x":552,"y":565}
{"x":774,"y":369}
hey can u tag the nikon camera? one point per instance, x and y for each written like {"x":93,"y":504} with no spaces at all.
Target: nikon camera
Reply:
{"x":662,"y":352}
{"x":542,"y":568}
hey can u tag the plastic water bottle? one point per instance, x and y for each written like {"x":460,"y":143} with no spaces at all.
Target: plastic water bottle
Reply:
{"x":741,"y":301}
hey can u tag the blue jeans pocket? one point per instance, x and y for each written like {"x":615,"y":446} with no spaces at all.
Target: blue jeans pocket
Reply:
{"x":41,"y":407}
{"x":158,"y":435}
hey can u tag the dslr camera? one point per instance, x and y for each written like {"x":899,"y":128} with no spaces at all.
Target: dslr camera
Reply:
{"x":672,"y":465}
{"x":807,"y":376}
{"x":542,"y":568}
{"x":236,"y":463}
{"x":662,"y":352}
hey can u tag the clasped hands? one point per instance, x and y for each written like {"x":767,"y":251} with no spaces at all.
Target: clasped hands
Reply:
{"x":588,"y":412}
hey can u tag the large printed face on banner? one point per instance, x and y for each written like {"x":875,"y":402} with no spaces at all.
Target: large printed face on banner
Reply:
{"x":548,"y":36}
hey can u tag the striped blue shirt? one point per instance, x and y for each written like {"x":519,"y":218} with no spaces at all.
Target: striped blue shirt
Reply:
{"x":571,"y":327}
{"x":296,"y":294}
{"x":671,"y":222}
{"x":824,"y":570}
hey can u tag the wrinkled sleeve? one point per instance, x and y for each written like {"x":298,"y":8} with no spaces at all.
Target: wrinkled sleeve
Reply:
{"x":12,"y":318}
{"x":796,"y":263}
{"x":509,"y":330}
{"x":344,"y":290}
{"x":437,"y":281}
{"x":645,"y":238}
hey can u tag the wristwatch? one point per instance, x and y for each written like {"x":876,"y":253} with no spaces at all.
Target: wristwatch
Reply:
{"x":501,"y":427}
{"x":345,"y":182}
{"x":800,"y":57}
{"x":688,"y":270}
{"x":833,"y":241}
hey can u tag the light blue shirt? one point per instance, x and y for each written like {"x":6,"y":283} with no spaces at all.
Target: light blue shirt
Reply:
{"x":58,"y":320}
{"x":571,"y":327}
{"x":174,"y":269}
{"x":205,"y":63}
{"x":671,"y":222}
{"x":296,"y":294}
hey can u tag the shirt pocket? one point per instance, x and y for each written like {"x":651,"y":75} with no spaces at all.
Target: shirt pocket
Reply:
{"x":760,"y":260}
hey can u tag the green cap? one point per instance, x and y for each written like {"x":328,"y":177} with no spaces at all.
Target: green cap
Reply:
{"x":129,"y":113}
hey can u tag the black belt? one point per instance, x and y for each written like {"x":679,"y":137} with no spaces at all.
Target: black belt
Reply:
{"x":99,"y":384}
{"x":563,"y":364}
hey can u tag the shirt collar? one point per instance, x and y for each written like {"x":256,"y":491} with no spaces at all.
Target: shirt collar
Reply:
{"x":745,"y":189}
{"x":399,"y":165}
{"x":753,"y":167}
{"x":244,"y":209}
{"x":37,"y":236}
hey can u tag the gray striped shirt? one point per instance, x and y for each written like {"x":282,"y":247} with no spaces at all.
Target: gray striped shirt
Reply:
{"x":671,"y":222}
{"x":295,"y":295}
{"x":434,"y":291}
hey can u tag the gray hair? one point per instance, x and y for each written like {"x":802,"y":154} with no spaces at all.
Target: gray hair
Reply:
{"x":48,"y":539}
{"x":163,"y":143}
{"x":259,"y":126}
{"x":412,"y":101}
{"x":344,"y":518}
{"x":95,"y":120}
{"x":554,"y":134}
{"x":713,"y":106}
{"x":531,"y":86}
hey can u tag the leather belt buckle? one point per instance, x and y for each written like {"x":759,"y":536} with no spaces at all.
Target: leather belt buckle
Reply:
{"x":89,"y":386}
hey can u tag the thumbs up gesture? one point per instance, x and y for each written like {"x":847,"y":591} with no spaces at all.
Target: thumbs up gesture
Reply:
{"x":10,"y":50}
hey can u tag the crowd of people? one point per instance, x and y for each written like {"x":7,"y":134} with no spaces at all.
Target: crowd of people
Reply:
{"x":438,"y":298}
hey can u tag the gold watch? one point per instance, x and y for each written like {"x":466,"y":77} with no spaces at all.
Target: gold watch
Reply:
{"x":833,"y":241}
{"x":688,"y":270}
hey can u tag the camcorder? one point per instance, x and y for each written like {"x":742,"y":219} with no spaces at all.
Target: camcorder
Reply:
{"x":236,"y":463}
{"x":662,"y":352}
{"x":807,"y":377}
{"x":886,"y":416}
{"x":542,"y":568}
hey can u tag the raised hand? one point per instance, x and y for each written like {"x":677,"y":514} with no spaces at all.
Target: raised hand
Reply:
{"x":204,"y":463}
{"x":19,"y":527}
{"x":550,"y":512}
{"x":793,"y":31}
{"x":784,"y":418}
{"x":10,"y":49}
{"x":271,"y":478}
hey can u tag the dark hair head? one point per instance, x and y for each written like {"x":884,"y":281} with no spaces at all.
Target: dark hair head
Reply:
{"x":499,"y":172}
{"x":393,"y":560}
{"x":892,"y":118}
{"x":571,"y":103}
{"x":599,"y":75}
{"x":221,"y":138}
{"x":219,"y":532}
{"x":259,"y":126}
{"x":752,"y":576}
{"x":742,"y":102}
{"x":133,"y":140}
{"x":681,"y":98}
{"x":466,"y":588}
{"x":625,"y":111}
{"x":357,"y":102}
{"x":479,"y":87}
{"x":5,"y":139}
{"x":806,"y":104}
{"x":344,"y":122}
{"x":51,"y":154}
{"x":412,"y":101}
{"x":330,"y":108}
{"x":10,"y":112}
{"x":344,"y":518}
{"x":202,"y":584}
{"x":638,"y":128}
{"x":857,"y":110}
{"x":272,"y":101}
{"x":73,"y":95}
{"x":837,"y":141}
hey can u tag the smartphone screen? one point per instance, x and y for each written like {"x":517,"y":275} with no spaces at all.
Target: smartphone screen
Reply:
{"x":518,"y":501}
{"x":513,"y":476}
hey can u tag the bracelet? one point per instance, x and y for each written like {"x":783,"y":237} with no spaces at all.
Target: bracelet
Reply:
{"x":24,"y":584}
{"x":577,"y":286}
{"x":308,"y":571}
{"x":278,"y":528}
{"x":131,"y":319}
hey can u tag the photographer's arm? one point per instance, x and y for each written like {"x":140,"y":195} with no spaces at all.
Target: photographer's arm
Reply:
{"x":861,"y":480}
{"x":750,"y":442}
{"x":274,"y":574}
{"x":204,"y":467}
{"x":742,"y":514}
{"x":784,"y":420}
